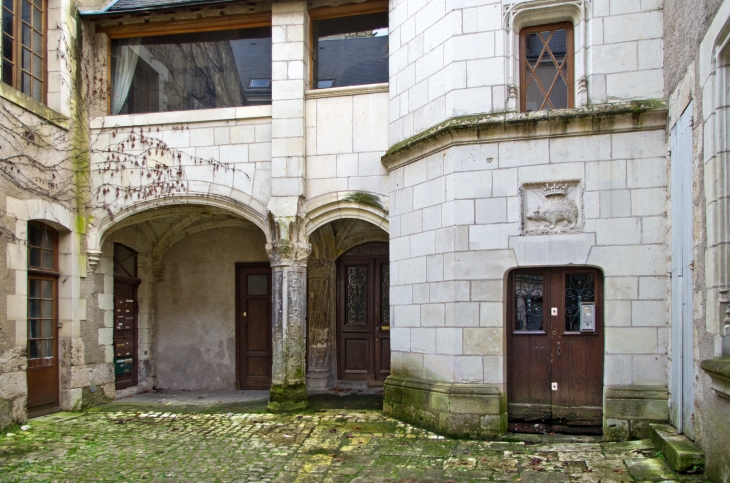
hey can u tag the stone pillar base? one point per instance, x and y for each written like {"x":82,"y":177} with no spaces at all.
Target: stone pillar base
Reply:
{"x":284,"y":399}
{"x":628,"y":410}
{"x":476,"y":411}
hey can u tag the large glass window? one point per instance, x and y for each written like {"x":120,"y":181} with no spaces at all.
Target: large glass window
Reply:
{"x":23,"y":45}
{"x":191,"y":71}
{"x":546,"y":67}
{"x":351,"y":51}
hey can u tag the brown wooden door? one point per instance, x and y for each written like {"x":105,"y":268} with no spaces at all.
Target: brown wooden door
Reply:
{"x":42,"y":344}
{"x":555,"y":369}
{"x":363,"y":285}
{"x":125,"y":334}
{"x":253,"y":326}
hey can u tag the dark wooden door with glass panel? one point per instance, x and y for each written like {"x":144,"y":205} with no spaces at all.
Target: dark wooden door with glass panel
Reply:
{"x":363,"y":285}
{"x":555,"y":350}
{"x":42,"y":318}
{"x":253,"y":325}
{"x":42,"y":336}
{"x":125,"y":317}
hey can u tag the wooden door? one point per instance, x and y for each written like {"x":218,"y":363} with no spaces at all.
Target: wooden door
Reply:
{"x":363,"y":314}
{"x":555,"y":362}
{"x":125,"y":334}
{"x":682,"y":368}
{"x":42,"y":344}
{"x":253,"y":326}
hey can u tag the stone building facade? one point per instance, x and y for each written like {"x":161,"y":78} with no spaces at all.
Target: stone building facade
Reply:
{"x":497,"y":245}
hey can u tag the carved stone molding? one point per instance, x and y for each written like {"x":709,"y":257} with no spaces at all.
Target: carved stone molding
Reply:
{"x":551,"y":207}
{"x":159,"y":272}
{"x":93,"y":257}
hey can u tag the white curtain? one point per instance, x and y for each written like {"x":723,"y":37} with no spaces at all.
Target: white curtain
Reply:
{"x":124,"y":59}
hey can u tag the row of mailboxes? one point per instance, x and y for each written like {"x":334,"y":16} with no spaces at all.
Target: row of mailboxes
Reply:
{"x":123,"y":348}
{"x":123,"y":365}
{"x":124,"y":323}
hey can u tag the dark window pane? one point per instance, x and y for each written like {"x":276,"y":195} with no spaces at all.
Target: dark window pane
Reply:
{"x":35,"y":257}
{"x":356,"y":295}
{"x":192,"y":71}
{"x":37,"y":20}
{"x":25,"y":83}
{"x":25,"y":56}
{"x":352,"y":50}
{"x":26,"y":35}
{"x":7,"y":72}
{"x":579,"y":287}
{"x":258,"y":284}
{"x":47,"y":307}
{"x":34,"y":288}
{"x":37,"y":43}
{"x":528,"y":301}
{"x":47,"y":328}
{"x":27,"y":11}
{"x":48,"y":238}
{"x":34,"y":349}
{"x":37,"y":67}
{"x":47,"y":286}
{"x":37,"y":90}
{"x":8,"y":24}
{"x":34,"y":234}
{"x":47,"y":348}
{"x":38,"y":4}
{"x":125,"y":261}
{"x":34,"y":309}
{"x":34,"y":329}
{"x":48,"y":260}
{"x":9,"y":4}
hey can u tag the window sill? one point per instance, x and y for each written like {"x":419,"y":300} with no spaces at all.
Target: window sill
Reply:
{"x":347,"y":91}
{"x":719,"y":371}
{"x":31,"y":105}
{"x":181,"y":117}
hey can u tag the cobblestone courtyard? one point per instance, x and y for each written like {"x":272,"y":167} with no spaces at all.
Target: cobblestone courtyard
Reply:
{"x":328,"y":445}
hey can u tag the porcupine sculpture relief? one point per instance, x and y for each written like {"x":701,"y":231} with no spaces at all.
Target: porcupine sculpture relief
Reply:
{"x":557,"y":207}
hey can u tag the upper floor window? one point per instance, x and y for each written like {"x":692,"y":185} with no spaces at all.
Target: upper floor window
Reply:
{"x":350,"y":51}
{"x":203,"y":70}
{"x":24,"y":45}
{"x":546,"y":67}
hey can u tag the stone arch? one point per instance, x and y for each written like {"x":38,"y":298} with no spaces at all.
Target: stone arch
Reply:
{"x":148,"y":209}
{"x":326,"y":208}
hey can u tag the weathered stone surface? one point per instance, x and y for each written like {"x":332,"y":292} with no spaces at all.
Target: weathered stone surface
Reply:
{"x":681,"y":453}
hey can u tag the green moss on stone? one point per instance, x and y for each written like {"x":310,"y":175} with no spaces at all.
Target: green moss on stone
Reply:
{"x":6,"y":414}
{"x":365,"y":199}
{"x":93,"y":398}
{"x":287,"y":398}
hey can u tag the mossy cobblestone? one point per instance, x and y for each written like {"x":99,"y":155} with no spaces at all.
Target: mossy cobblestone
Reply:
{"x":139,"y":444}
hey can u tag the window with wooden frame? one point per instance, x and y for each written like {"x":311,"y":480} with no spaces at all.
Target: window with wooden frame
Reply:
{"x":349,"y":45}
{"x":24,"y":46}
{"x":200,"y":63}
{"x":546,"y":67}
{"x":42,"y":294}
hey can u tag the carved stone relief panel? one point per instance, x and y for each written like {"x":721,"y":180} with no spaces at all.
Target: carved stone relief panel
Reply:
{"x":552,"y":207}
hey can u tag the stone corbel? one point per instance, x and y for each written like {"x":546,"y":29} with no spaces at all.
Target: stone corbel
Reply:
{"x":719,"y":371}
{"x":93,"y":257}
{"x":512,"y":99}
{"x":159,"y":272}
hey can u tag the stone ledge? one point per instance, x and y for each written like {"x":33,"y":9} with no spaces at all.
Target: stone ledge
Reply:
{"x":496,"y":127}
{"x":346,"y":91}
{"x":682,"y":454}
{"x":719,"y":371}
{"x":628,"y":411}
{"x":31,"y":105}
{"x":454,"y":409}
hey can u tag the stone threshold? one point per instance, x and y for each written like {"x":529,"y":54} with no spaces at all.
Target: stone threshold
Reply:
{"x":682,"y":454}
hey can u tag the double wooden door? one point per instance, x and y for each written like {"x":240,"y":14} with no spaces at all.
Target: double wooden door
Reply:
{"x":555,"y":350}
{"x":253,"y":325}
{"x":363,"y":314}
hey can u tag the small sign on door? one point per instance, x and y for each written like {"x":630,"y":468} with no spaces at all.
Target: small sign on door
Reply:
{"x":587,"y":317}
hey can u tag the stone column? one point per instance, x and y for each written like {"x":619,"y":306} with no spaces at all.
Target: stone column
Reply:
{"x":288,"y":255}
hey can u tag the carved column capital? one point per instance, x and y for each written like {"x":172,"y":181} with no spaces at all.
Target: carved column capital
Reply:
{"x":288,"y":253}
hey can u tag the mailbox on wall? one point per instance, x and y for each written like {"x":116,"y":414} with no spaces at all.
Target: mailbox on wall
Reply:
{"x":588,"y":317}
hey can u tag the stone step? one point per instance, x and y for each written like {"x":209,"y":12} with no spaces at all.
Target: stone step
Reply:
{"x":682,"y":454}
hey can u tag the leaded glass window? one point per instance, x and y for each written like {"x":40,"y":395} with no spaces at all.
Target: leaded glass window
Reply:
{"x":546,"y":67}
{"x":23,"y":46}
